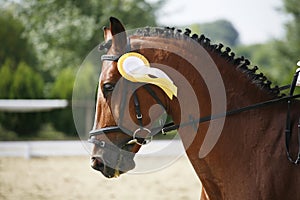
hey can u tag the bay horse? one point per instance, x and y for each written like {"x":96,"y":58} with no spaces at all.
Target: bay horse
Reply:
{"x":235,"y":128}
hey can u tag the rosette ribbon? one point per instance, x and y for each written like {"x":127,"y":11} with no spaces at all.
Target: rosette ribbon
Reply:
{"x":136,"y":68}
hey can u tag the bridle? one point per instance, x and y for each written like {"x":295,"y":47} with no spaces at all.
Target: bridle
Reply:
{"x":139,"y":117}
{"x":171,"y":126}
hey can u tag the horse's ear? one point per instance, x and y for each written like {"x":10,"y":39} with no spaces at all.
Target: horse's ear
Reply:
{"x":119,"y":38}
{"x":116,"y":26}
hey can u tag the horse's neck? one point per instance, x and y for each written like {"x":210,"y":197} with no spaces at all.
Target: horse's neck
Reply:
{"x":241,"y":133}
{"x":249,"y":141}
{"x":241,"y":89}
{"x":206,"y":70}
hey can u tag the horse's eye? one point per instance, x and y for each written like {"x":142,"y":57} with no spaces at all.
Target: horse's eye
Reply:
{"x":107,"y":88}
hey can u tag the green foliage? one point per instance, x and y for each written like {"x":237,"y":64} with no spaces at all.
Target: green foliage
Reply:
{"x":26,"y":84}
{"x":288,"y":50}
{"x":195,"y":28}
{"x":49,"y":35}
{"x":23,"y":83}
{"x":14,"y":46}
{"x":87,"y":80}
{"x":47,"y":132}
{"x":223,"y":31}
{"x":62,"y":121}
{"x":262,"y":55}
{"x":63,"y":85}
{"x":18,"y":79}
{"x":59,"y":35}
{"x":62,"y":89}
{"x":219,"y":31}
{"x":6,"y":79}
{"x":7,"y":135}
{"x":85,"y":93}
{"x":278,"y":58}
{"x":69,"y":29}
{"x":24,"y":124}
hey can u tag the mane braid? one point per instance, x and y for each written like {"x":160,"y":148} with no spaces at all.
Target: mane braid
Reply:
{"x":240,"y":63}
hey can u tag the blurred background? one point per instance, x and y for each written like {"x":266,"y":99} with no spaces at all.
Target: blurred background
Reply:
{"x":44,"y":42}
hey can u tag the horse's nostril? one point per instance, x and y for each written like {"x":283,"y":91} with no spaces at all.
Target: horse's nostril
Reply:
{"x":97,"y":163}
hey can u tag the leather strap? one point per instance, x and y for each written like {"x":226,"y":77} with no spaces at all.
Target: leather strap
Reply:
{"x":110,"y":57}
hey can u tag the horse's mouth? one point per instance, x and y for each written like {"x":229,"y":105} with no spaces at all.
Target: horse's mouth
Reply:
{"x":122,"y":166}
{"x":108,"y":172}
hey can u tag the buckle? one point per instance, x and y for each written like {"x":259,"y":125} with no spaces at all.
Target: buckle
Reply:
{"x":147,"y":140}
{"x":163,"y":131}
{"x":139,"y":116}
{"x":99,"y":143}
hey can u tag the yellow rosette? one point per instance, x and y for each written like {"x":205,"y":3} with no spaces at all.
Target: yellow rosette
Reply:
{"x":136,"y":68}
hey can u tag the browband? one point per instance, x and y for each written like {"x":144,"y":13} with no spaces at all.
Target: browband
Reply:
{"x":110,"y":57}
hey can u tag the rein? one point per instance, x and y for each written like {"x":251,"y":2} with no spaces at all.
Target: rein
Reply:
{"x":230,"y":112}
{"x":171,"y":126}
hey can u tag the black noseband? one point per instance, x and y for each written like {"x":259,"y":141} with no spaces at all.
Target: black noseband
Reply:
{"x":106,"y":130}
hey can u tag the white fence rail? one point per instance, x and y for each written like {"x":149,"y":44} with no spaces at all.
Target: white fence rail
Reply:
{"x":41,"y":148}
{"x":31,"y":105}
{"x":28,"y":149}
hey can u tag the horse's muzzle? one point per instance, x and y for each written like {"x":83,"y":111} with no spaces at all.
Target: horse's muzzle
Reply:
{"x":122,"y":165}
{"x":98,"y":164}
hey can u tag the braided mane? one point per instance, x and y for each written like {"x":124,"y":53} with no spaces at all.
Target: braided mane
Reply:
{"x":241,"y":63}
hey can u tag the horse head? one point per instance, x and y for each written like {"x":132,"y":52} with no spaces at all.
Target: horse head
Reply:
{"x":121,"y":124}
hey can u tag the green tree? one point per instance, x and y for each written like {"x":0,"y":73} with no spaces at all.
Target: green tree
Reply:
{"x":23,"y":83}
{"x":6,"y":74}
{"x":85,"y":93}
{"x":63,"y":85}
{"x":263,"y":56}
{"x":278,"y":58}
{"x":26,"y":84}
{"x":219,"y":31}
{"x":62,"y":120}
{"x":14,"y":45}
{"x":64,"y":31}
{"x":288,"y":49}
